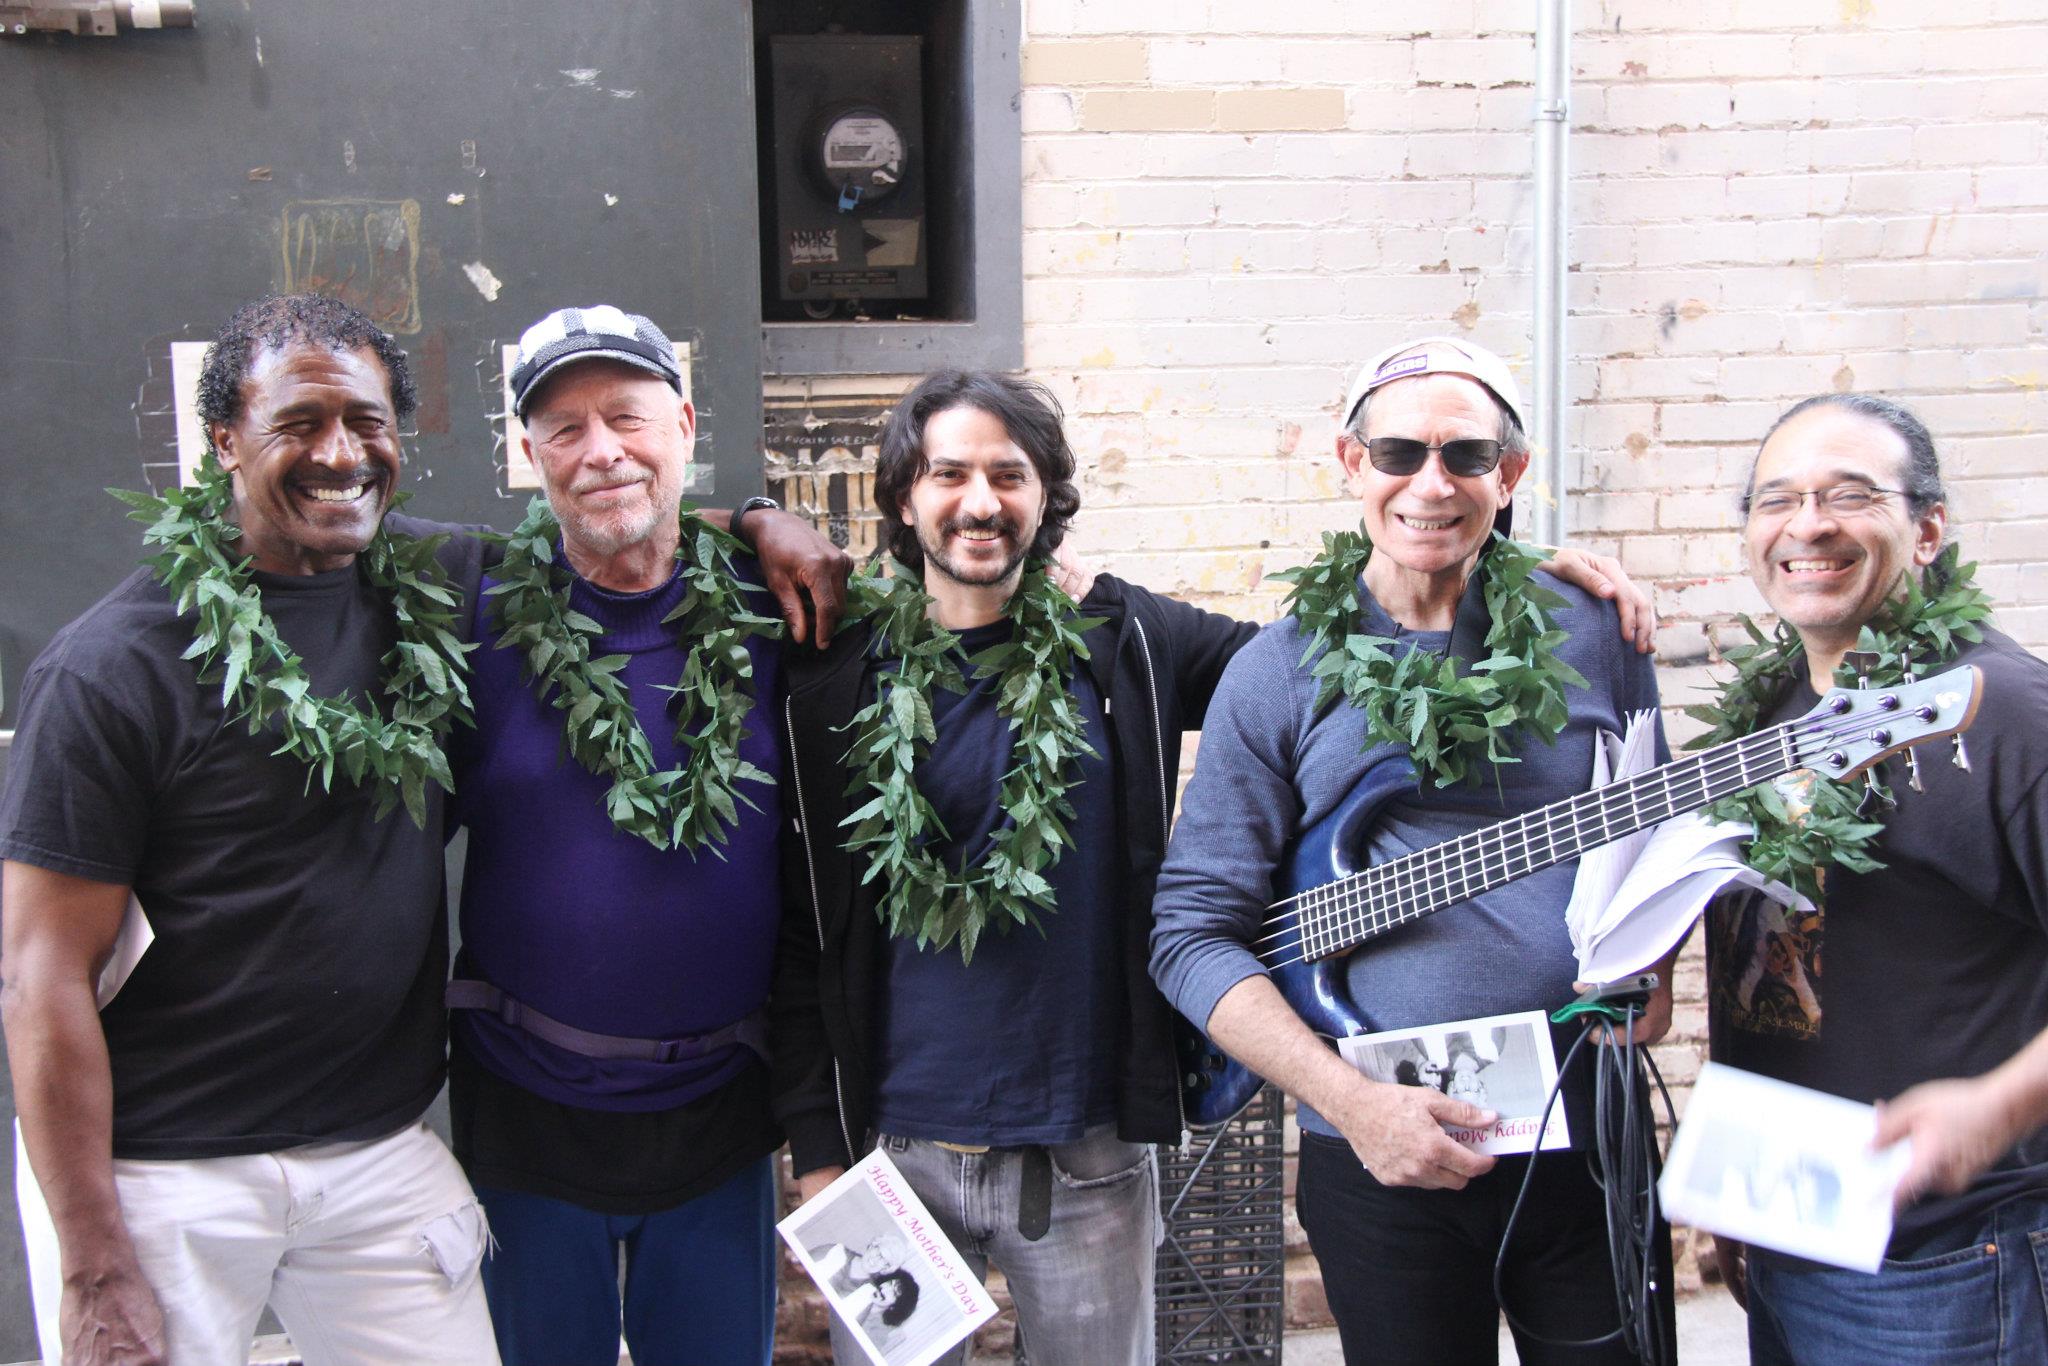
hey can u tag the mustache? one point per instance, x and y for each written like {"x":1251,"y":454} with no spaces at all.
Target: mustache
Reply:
{"x":1002,"y":526}
{"x":598,"y":485}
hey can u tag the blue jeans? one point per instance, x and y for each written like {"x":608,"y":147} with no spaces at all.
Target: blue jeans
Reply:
{"x":1976,"y":1298}
{"x":1083,"y":1291}
{"x":699,"y":1285}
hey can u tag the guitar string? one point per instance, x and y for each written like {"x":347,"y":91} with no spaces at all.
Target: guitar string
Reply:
{"x":1430,"y":871}
{"x":1462,"y":865}
{"x":1545,"y":820}
{"x":1712,"y":760}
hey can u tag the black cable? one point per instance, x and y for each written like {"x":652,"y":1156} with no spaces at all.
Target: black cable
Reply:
{"x":1624,"y":1165}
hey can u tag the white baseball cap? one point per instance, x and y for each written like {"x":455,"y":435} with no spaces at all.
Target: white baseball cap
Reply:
{"x":593,"y":332}
{"x":1437,"y":356}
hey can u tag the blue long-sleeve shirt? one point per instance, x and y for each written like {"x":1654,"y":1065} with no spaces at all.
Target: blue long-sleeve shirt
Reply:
{"x":1269,"y":767}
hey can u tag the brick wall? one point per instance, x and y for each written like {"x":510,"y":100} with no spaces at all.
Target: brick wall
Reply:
{"x":1229,"y":203}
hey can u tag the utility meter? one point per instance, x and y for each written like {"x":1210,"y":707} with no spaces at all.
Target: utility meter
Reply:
{"x":861,"y":155}
{"x":848,"y":144}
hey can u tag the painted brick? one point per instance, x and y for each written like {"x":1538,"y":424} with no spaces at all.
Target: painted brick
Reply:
{"x":1212,"y":61}
{"x":1418,"y":108}
{"x":1721,"y":422}
{"x":1694,"y":244}
{"x":1979,"y":144}
{"x":2021,"y":49}
{"x":1101,"y":61}
{"x":1853,"y":148}
{"x":1912,"y":191}
{"x":1453,"y":154}
{"x":1309,"y":18}
{"x":1231,"y":250}
{"x":1658,"y":377}
{"x":1047,"y":111}
{"x":1663,"y":105}
{"x":1264,"y":110}
{"x":1347,"y":156}
{"x":1147,"y":110}
{"x":1695,"y":512}
{"x":1407,"y":201}
{"x":1065,"y":18}
{"x":2012,"y":187}
{"x":1145,"y":204}
{"x":1767,"y":194}
{"x":1480,"y":62}
{"x":1278,"y":203}
{"x":1212,"y":156}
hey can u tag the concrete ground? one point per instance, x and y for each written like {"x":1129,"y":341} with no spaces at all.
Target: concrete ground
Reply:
{"x":1712,"y":1331}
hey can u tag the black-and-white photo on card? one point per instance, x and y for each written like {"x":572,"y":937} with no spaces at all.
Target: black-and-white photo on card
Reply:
{"x":890,"y":1275}
{"x":1502,"y":1063}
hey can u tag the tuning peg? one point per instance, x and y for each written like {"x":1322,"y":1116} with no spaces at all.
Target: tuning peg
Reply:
{"x":1906,"y":673}
{"x":1961,"y":757}
{"x":1913,"y":771}
{"x":1873,"y":788}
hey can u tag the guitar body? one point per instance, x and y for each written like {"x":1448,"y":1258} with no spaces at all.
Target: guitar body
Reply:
{"x":1216,"y":1086}
{"x":1325,"y":879}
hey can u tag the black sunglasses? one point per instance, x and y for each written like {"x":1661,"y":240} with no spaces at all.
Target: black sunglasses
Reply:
{"x":1464,"y":458}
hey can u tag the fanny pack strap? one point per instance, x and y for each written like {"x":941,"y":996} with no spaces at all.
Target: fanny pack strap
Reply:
{"x":750,"y":1033}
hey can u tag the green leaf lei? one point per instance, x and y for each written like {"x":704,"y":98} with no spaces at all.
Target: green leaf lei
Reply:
{"x":693,"y":806}
{"x":896,"y":826}
{"x":1820,"y":822}
{"x":1451,"y":720}
{"x":263,"y":680}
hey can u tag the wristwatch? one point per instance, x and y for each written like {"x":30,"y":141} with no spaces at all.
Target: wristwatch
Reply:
{"x":757,"y":501}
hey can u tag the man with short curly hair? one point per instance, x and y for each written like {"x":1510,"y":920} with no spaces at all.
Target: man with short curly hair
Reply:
{"x":241,"y":1122}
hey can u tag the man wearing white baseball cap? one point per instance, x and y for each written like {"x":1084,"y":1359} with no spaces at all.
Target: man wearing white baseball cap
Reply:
{"x":1376,"y":663}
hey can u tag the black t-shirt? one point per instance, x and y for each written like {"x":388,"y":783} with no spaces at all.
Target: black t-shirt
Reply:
{"x":619,"y":1162}
{"x":1936,"y":966}
{"x":1019,"y":1046}
{"x":293,"y":991}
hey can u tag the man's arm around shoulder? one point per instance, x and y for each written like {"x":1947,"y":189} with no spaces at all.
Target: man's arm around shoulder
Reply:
{"x":56,"y":933}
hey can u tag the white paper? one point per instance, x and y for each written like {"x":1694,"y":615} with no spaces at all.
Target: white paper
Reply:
{"x":131,"y":941}
{"x":1783,"y":1167}
{"x":1634,"y":899}
{"x":859,"y":1239}
{"x":1502,"y":1063}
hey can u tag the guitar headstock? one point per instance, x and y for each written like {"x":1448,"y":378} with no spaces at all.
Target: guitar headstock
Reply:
{"x":1853,"y":728}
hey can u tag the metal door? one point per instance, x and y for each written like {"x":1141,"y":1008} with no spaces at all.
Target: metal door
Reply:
{"x":458,"y":168}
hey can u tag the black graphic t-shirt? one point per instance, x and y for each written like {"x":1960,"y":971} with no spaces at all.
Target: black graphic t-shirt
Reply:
{"x":1937,"y":965}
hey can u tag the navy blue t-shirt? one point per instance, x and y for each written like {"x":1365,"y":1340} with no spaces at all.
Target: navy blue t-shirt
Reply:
{"x":1018,"y":1046}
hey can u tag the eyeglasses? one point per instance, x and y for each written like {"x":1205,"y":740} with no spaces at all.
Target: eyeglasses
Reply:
{"x":1838,"y":500}
{"x":1465,"y":458}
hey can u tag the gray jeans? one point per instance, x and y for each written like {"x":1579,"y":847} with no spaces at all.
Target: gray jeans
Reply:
{"x":1083,"y":1291}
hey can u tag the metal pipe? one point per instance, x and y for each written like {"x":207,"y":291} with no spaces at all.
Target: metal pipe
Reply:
{"x":1551,"y":127}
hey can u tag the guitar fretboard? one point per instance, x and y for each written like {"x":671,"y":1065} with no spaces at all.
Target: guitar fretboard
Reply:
{"x":1339,"y":915}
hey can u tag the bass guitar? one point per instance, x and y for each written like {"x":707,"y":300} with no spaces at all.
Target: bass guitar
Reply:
{"x":1334,"y":905}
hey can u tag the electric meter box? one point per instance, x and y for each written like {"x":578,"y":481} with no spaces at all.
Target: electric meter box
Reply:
{"x":849,"y":150}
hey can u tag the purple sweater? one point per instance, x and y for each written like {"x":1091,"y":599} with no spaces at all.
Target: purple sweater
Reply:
{"x":598,"y":929}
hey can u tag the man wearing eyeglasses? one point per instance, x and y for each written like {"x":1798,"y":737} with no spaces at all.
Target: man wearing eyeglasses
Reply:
{"x":1406,"y":1222}
{"x":1925,"y":983}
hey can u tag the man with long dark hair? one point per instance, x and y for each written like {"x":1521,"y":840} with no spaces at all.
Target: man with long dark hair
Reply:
{"x":1017,"y":1091}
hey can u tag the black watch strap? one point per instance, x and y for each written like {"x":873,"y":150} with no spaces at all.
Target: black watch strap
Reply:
{"x":757,"y":501}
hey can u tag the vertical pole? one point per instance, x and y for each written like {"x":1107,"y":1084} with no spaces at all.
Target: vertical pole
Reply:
{"x":1552,"y":124}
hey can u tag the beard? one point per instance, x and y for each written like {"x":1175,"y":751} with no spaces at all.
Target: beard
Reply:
{"x":979,"y":573}
{"x":607,"y":531}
